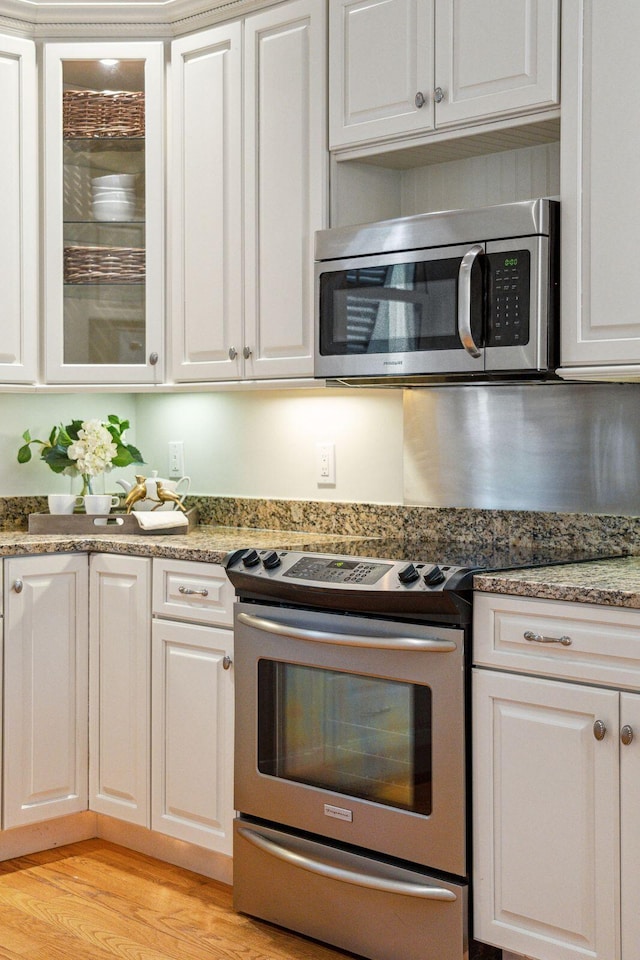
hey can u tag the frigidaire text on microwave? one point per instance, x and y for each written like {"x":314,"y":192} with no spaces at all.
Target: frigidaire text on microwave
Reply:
{"x":453,"y":296}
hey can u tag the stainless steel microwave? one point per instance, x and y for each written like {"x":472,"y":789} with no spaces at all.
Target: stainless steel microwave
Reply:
{"x":453,"y":296}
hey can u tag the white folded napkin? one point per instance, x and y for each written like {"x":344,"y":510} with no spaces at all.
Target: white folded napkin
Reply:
{"x":165,"y":520}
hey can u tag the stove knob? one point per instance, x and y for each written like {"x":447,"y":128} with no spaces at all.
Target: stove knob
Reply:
{"x":434,"y":577}
{"x":251,"y":558}
{"x":271,"y":560}
{"x":408,"y":574}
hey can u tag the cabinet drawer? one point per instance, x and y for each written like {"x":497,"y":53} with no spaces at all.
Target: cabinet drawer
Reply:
{"x":602,"y":644}
{"x":186,"y":590}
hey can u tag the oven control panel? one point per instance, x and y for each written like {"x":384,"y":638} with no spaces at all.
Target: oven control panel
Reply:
{"x":337,"y":570}
{"x":355,"y":584}
{"x":287,"y":567}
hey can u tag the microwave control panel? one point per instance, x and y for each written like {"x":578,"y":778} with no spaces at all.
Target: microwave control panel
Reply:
{"x":508,"y":299}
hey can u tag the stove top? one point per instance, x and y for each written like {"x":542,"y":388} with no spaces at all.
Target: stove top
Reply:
{"x":383,"y":576}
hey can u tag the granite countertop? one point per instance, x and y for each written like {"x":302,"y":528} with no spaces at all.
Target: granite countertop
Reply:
{"x":207,"y":543}
{"x":613,"y":582}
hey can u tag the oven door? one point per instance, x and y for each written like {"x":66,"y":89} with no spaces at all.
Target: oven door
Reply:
{"x":353,"y":729}
{"x":396,"y":314}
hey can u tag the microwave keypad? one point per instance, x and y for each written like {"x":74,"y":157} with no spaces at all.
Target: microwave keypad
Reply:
{"x":508,"y":316}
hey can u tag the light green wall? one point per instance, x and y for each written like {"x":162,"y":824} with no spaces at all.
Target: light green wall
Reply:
{"x":39,"y":414}
{"x":248,"y":444}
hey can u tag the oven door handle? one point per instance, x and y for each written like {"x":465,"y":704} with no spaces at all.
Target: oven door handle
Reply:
{"x":422,"y":644}
{"x":333,"y":872}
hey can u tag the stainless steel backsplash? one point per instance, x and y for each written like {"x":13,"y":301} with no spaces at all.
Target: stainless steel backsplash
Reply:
{"x":563,"y":447}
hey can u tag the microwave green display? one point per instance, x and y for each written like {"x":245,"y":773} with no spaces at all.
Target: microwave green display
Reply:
{"x":511,"y":262}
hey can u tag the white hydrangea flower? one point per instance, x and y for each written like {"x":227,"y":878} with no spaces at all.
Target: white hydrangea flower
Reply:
{"x":94,"y":449}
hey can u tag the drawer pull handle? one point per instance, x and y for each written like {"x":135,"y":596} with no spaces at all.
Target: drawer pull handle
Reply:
{"x":189,"y":592}
{"x":537,"y":638}
{"x":626,"y":734}
{"x":599,"y":730}
{"x":226,"y":662}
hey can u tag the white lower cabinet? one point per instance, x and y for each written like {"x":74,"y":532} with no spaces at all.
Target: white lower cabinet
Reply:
{"x":119,"y":699}
{"x":45,"y":688}
{"x":192,"y":734}
{"x":192,"y":697}
{"x":556,"y":774}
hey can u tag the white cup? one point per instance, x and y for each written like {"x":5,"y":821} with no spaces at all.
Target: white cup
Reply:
{"x":100,"y":502}
{"x":63,"y":502}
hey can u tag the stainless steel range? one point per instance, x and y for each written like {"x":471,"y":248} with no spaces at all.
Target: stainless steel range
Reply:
{"x":352,"y":751}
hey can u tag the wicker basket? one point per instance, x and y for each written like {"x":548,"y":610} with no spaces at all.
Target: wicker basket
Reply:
{"x":88,"y":113}
{"x":104,"y":264}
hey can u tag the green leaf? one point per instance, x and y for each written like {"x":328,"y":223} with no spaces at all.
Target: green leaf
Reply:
{"x":135,"y":453}
{"x":24,"y":454}
{"x":57,"y":458}
{"x":26,"y":436}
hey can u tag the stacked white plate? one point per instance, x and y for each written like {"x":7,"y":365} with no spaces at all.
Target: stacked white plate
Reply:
{"x":114,"y":197}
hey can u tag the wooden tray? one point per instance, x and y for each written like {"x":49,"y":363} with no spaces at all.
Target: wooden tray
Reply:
{"x":114,"y":522}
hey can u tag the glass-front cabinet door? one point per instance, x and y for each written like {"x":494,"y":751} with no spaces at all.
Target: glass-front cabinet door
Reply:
{"x":104,"y":223}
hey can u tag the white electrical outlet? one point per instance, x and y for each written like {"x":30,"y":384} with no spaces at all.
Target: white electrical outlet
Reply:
{"x":176,"y":459}
{"x":326,"y":464}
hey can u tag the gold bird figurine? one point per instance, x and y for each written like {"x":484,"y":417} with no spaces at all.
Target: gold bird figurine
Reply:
{"x":138,"y":492}
{"x":167,"y":496}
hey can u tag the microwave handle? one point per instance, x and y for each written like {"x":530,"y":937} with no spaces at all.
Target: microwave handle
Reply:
{"x":464,"y":300}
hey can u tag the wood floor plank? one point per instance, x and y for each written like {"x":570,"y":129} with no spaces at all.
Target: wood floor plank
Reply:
{"x":97,"y":901}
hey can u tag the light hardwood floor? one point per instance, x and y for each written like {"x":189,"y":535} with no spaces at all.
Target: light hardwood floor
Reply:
{"x":97,"y":901}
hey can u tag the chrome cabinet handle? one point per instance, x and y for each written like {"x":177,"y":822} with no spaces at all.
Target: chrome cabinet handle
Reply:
{"x":153,"y":359}
{"x":246,"y":352}
{"x":599,"y":730}
{"x":187,"y":591}
{"x":226,"y":662}
{"x":464,"y":301}
{"x":18,"y":585}
{"x":537,"y":638}
{"x":348,"y":640}
{"x":233,"y":353}
{"x":626,"y":734}
{"x":438,"y":94}
{"x":334,"y":871}
{"x":420,"y":99}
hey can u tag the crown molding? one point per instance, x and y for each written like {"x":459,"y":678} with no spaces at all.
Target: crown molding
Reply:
{"x":48,"y":19}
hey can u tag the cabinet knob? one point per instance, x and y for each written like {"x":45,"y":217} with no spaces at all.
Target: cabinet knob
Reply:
{"x":438,"y":94}
{"x":18,"y":585}
{"x":420,"y":99}
{"x":246,"y":352}
{"x":599,"y":730}
{"x":233,"y":353}
{"x":153,"y":359}
{"x":626,"y":734}
{"x":226,"y":662}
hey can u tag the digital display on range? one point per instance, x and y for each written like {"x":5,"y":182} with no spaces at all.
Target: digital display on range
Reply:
{"x":325,"y":570}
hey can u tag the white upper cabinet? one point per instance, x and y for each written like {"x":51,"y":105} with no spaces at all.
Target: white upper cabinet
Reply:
{"x":18,"y":211}
{"x":103,"y":208}
{"x":381,"y":66}
{"x":406,"y":67}
{"x":600,"y":146}
{"x":286,"y":184}
{"x":242,"y":245}
{"x":206,"y":198}
{"x":495,"y":57}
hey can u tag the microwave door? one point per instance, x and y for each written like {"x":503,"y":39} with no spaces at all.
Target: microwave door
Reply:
{"x":395,"y":315}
